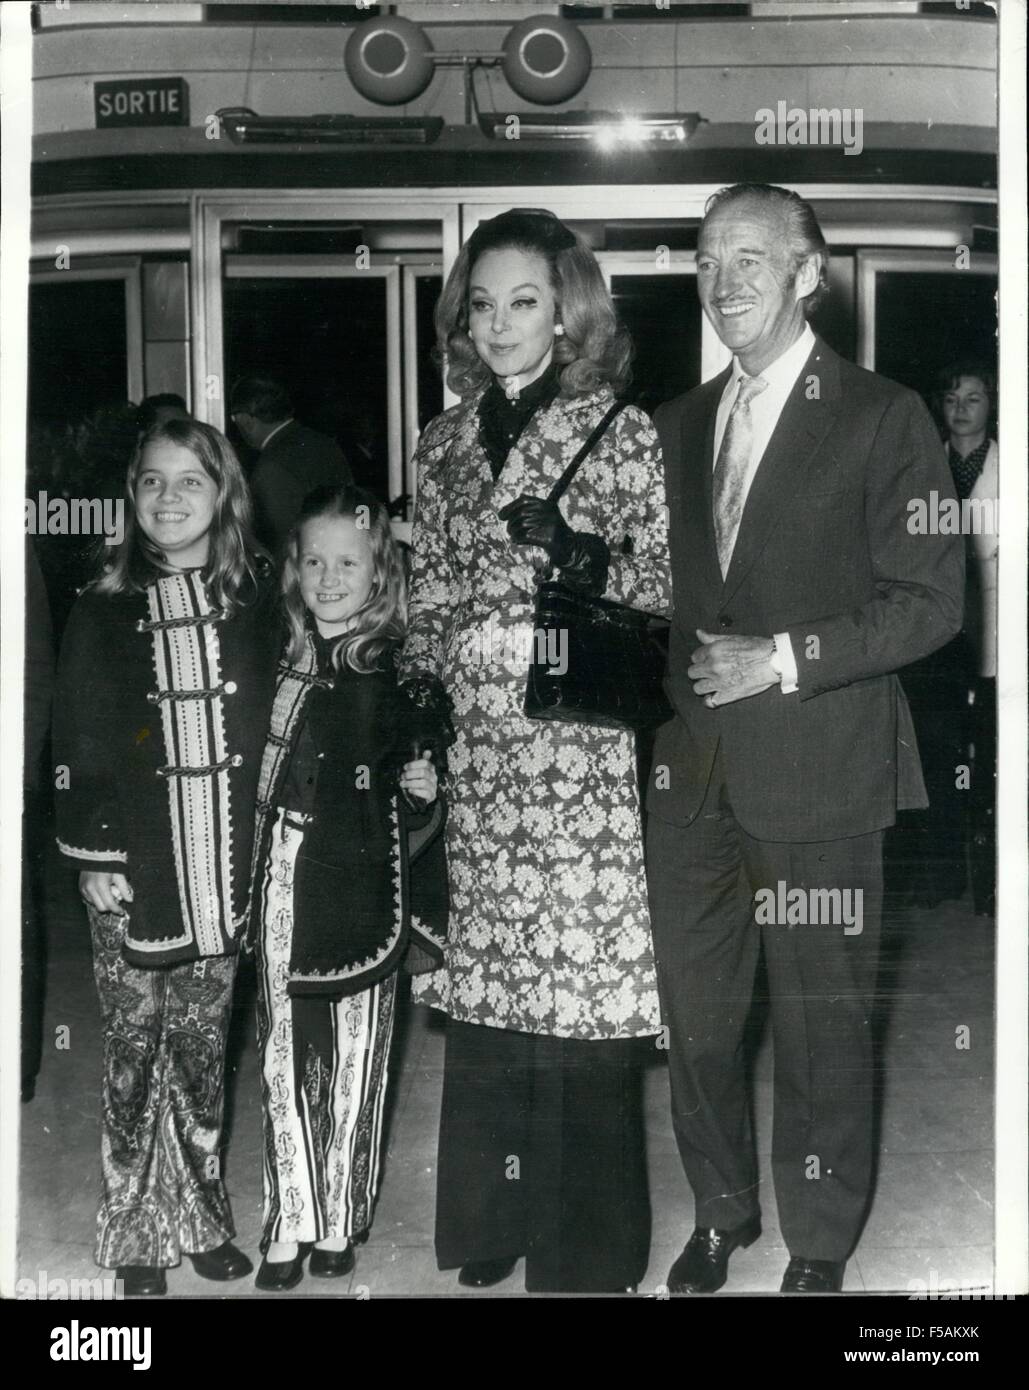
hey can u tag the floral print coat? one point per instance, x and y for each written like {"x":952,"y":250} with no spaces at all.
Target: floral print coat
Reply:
{"x":549,"y":927}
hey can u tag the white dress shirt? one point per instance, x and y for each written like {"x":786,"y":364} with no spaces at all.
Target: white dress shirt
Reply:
{"x":985,"y":547}
{"x":765,"y":410}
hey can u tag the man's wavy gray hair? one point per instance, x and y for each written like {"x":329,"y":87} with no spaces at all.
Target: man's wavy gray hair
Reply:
{"x":804,"y":235}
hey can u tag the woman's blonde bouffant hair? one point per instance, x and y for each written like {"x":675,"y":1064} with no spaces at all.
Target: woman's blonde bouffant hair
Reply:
{"x":380,"y":624}
{"x":594,"y":349}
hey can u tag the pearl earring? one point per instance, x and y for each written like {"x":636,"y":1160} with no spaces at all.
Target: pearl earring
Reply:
{"x":559,"y":330}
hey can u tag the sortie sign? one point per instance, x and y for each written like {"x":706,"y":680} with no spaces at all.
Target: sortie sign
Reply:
{"x":142,"y":101}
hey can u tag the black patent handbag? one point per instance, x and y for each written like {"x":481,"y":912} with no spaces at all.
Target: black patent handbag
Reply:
{"x":593,"y":661}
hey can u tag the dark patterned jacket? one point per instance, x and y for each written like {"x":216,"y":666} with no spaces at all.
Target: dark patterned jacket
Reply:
{"x":369,"y":890}
{"x":160,"y":714}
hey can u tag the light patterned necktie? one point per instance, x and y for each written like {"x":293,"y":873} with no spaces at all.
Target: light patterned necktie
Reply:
{"x":731,"y":469}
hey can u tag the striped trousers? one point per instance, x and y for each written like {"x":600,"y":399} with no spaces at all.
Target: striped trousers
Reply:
{"x":324,"y":1069}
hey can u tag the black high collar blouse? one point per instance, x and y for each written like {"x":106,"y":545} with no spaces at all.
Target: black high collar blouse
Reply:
{"x":501,"y":421}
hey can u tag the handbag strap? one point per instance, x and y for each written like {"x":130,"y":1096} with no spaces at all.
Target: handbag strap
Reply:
{"x":561,"y":486}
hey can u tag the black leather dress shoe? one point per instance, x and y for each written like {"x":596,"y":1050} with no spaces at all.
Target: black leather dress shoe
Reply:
{"x":703,"y":1265}
{"x":331,"y":1264}
{"x":140,"y":1281}
{"x":222,"y":1264}
{"x":813,"y":1276}
{"x":280,"y":1275}
{"x":481,"y":1274}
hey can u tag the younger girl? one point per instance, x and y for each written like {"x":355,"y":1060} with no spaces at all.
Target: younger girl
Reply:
{"x":349,"y":879}
{"x":164,"y":689}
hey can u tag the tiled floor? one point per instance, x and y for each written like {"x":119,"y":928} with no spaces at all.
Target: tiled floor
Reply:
{"x":931,"y":1221}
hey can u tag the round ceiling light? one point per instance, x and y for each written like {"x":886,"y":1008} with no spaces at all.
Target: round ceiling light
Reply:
{"x":389,"y":60}
{"x":546,"y":60}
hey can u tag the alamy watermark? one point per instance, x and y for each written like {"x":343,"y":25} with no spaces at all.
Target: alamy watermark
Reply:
{"x":516,"y":647}
{"x":934,"y":1287}
{"x":75,"y":516}
{"x":783,"y":906}
{"x":946,"y":516}
{"x":815,"y":125}
{"x":80,"y":1342}
{"x":43,"y":1287}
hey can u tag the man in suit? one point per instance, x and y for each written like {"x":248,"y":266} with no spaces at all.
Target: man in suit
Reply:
{"x":293,"y":460}
{"x":800,"y":588}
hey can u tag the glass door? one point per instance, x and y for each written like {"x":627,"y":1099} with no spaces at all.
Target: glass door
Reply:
{"x":85,"y":338}
{"x":900,"y":292}
{"x":655,"y":295}
{"x":331,"y":333}
{"x":333,"y":293}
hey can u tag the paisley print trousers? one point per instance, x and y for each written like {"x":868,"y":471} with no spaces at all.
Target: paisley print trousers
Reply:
{"x":324,"y":1069}
{"x":161,"y":1103}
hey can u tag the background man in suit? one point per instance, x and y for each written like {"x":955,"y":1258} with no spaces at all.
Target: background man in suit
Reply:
{"x":799,"y":590}
{"x":293,"y":460}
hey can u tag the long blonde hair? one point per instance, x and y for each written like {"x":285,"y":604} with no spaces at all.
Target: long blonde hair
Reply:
{"x":235,"y":559}
{"x":595,"y":348}
{"x":381,"y":622}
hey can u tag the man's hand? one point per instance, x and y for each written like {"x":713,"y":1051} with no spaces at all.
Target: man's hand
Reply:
{"x":726,"y":669}
{"x":106,"y":892}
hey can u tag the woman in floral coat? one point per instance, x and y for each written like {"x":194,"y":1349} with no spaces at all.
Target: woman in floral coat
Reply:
{"x":548,"y":975}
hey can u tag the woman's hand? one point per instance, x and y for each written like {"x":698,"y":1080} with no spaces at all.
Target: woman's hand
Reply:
{"x":537,"y":521}
{"x":419,"y":782}
{"x":105,"y":892}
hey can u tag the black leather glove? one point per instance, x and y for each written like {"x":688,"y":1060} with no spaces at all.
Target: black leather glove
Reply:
{"x":582,"y":557}
{"x":535,"y":521}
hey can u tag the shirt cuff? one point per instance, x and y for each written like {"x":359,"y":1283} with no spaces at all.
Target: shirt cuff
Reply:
{"x":786,"y":662}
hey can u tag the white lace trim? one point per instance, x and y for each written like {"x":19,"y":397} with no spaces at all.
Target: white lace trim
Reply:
{"x":99,"y":856}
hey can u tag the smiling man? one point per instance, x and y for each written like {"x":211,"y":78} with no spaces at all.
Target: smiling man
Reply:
{"x":799,"y":591}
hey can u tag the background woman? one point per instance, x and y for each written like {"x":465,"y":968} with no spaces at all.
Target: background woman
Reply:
{"x":967,"y":394}
{"x":548,"y":973}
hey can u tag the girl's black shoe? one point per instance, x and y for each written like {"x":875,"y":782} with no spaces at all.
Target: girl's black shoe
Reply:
{"x":222,"y":1264}
{"x":331,"y":1264}
{"x":141,"y":1281}
{"x":283,"y":1274}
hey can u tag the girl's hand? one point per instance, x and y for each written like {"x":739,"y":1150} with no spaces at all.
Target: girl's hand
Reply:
{"x":106,"y":892}
{"x":419,"y":782}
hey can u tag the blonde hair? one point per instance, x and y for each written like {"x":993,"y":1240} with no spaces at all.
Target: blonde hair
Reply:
{"x":593,"y":350}
{"x":381,"y":622}
{"x":235,"y":559}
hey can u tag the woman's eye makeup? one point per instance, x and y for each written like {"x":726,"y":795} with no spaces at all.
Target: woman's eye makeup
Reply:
{"x":484,"y":306}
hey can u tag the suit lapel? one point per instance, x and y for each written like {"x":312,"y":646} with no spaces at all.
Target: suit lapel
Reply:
{"x":796,"y":438}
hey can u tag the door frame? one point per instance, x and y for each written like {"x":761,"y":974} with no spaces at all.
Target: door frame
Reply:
{"x":413,"y":270}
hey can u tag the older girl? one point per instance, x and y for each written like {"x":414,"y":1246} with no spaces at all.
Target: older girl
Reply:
{"x":548,"y":975}
{"x":164,"y":690}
